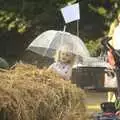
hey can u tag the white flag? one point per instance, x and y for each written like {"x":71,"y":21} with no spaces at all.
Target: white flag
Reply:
{"x":71,"y":13}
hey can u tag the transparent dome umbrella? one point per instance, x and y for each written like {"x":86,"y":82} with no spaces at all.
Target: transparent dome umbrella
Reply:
{"x":49,"y":41}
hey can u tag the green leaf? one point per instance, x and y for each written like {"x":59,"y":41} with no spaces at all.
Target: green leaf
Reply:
{"x":22,"y":29}
{"x":11,"y":25}
{"x":102,"y":11}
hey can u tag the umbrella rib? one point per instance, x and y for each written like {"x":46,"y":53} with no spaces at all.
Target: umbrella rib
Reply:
{"x":45,"y":52}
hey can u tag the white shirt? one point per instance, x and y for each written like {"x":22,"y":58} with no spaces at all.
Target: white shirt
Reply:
{"x":64,"y":70}
{"x":116,"y":37}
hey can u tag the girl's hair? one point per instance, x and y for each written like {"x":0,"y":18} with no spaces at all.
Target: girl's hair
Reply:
{"x":65,"y":48}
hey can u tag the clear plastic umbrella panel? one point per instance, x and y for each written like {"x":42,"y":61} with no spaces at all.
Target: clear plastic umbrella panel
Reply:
{"x":50,"y":41}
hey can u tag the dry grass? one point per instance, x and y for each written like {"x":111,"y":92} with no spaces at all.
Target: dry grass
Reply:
{"x":28,"y":93}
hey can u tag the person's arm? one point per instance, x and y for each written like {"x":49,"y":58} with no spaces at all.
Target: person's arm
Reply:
{"x":116,"y":38}
{"x":111,"y":30}
{"x":51,"y":67}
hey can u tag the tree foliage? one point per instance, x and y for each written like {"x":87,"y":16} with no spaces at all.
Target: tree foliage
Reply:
{"x":23,"y":14}
{"x":31,"y":17}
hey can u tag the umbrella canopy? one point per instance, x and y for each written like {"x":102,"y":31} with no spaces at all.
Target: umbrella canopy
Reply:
{"x":49,"y":41}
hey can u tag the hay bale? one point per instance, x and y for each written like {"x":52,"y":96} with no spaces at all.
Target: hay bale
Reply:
{"x":28,"y":93}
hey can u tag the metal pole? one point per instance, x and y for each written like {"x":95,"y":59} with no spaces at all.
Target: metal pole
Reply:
{"x":64,"y":29}
{"x":78,"y":28}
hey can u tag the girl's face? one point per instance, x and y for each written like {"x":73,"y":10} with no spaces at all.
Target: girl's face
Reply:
{"x":66,"y":57}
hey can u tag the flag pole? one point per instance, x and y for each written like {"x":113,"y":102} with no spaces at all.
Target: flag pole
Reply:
{"x":78,"y":28}
{"x":71,"y":13}
{"x":64,"y":29}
